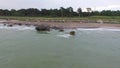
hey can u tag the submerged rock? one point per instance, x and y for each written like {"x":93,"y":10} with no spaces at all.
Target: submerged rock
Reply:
{"x":9,"y":25}
{"x":20,"y":24}
{"x":61,"y":30}
{"x":72,"y":33}
{"x":4,"y":24}
{"x":42,"y":28}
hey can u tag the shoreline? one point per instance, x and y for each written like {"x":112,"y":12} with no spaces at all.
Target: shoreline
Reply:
{"x":63,"y":25}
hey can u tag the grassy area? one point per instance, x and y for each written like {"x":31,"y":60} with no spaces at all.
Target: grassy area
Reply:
{"x":41,"y":18}
{"x":112,"y":19}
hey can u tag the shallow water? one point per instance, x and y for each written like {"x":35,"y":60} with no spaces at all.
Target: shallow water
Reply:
{"x":90,"y":48}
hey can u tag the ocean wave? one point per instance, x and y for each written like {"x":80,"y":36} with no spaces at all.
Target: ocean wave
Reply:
{"x":98,"y":29}
{"x":64,"y":35}
{"x":16,"y":27}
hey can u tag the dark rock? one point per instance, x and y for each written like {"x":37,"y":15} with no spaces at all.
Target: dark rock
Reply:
{"x":42,"y":28}
{"x":72,"y":33}
{"x":35,"y":25}
{"x":61,"y":30}
{"x":4,"y":24}
{"x":10,"y":25}
{"x":20,"y":24}
{"x":27,"y":24}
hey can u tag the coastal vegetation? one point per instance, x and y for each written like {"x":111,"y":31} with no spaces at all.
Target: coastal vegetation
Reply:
{"x":61,"y":12}
{"x":106,"y":19}
{"x":61,"y":15}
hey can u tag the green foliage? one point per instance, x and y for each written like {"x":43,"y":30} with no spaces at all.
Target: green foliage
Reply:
{"x":62,"y":12}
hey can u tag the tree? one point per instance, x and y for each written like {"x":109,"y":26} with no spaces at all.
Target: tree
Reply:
{"x":13,"y":12}
{"x":62,"y":11}
{"x":79,"y":11}
{"x":97,"y":13}
{"x":70,"y":11}
{"x":45,"y":12}
{"x":32,"y":12}
{"x":22,"y":12}
{"x":89,"y":10}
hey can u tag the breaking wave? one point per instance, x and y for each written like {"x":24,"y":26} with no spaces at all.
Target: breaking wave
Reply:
{"x":64,"y":35}
{"x":17,"y":27}
{"x":98,"y":29}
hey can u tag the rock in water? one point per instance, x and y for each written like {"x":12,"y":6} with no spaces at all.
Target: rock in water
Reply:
{"x":20,"y":24}
{"x":61,"y":30}
{"x":4,"y":24}
{"x":42,"y":28}
{"x":9,"y":25}
{"x":72,"y":33}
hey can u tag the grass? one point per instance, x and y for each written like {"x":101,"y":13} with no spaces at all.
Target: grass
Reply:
{"x":112,"y":19}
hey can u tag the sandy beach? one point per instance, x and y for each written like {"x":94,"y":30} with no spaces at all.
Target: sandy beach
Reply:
{"x":66,"y":25}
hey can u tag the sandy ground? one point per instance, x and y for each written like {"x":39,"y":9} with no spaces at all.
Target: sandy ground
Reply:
{"x":70,"y":25}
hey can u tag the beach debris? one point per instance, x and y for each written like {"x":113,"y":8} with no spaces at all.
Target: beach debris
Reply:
{"x":42,"y":28}
{"x":72,"y":32}
{"x":100,"y":21}
{"x":28,"y":24}
{"x":63,"y":21}
{"x":56,"y":27}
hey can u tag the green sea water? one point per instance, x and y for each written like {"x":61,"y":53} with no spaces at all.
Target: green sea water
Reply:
{"x":87,"y":49}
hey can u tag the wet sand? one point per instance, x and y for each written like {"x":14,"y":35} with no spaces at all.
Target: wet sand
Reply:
{"x":66,"y":25}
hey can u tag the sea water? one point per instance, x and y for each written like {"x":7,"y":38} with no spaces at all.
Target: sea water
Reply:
{"x":23,"y":47}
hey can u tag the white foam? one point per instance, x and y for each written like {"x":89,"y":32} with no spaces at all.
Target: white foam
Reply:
{"x":17,"y":27}
{"x":98,"y":29}
{"x":64,"y":35}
